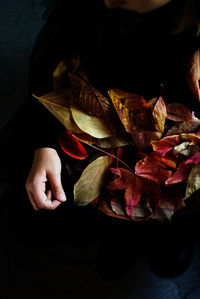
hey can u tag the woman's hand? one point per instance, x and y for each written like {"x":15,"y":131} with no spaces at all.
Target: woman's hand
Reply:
{"x":46,"y":167}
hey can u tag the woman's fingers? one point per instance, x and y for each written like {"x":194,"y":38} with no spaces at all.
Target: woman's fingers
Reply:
{"x":46,"y":166}
{"x":44,"y":201}
{"x":56,"y":185}
{"x":56,"y":202}
{"x":32,"y":200}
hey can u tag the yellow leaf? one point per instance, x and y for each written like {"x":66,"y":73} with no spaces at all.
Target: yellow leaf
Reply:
{"x":57,"y":103}
{"x":92,"y":181}
{"x":94,"y":126}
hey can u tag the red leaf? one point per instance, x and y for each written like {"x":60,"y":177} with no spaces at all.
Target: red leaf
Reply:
{"x":127,"y":180}
{"x":183,"y":170}
{"x":71,"y":146}
{"x":166,"y":144}
{"x":103,"y":206}
{"x":152,"y":168}
{"x":153,"y":192}
{"x":178,"y":112}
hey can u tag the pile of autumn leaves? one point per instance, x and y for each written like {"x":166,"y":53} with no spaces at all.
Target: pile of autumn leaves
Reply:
{"x":148,"y":152}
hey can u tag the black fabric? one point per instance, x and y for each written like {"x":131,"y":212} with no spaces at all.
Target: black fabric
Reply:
{"x":136,"y":57}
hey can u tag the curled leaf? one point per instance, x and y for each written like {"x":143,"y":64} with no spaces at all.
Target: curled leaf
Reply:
{"x":131,"y":183}
{"x":89,"y":98}
{"x":193,"y":73}
{"x":117,"y":207}
{"x":185,"y":126}
{"x":104,"y":207}
{"x":193,"y":182}
{"x":132,"y":110}
{"x":58,"y":104}
{"x":71,"y":146}
{"x":159,"y":114}
{"x":92,"y":181}
{"x":179,"y":149}
{"x":194,"y":138}
{"x":166,"y":144}
{"x":178,"y":112}
{"x":92,"y":125}
{"x":183,"y":170}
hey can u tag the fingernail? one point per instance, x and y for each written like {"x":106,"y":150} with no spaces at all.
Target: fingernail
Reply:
{"x":62,"y":197}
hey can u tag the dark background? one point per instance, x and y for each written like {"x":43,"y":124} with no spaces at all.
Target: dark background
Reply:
{"x":64,"y":272}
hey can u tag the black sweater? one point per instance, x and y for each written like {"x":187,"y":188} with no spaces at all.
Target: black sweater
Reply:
{"x":122,"y":49}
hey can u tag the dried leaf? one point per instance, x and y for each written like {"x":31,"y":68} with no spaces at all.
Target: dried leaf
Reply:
{"x":109,"y":142}
{"x":89,"y":98}
{"x":193,"y":182}
{"x":152,"y":168}
{"x":131,"y":183}
{"x":178,"y":112}
{"x":133,"y":110}
{"x":60,"y":75}
{"x":194,"y":138}
{"x":92,"y":181}
{"x":104,"y":207}
{"x":191,"y":150}
{"x":183,"y":170}
{"x":117,"y":207}
{"x":193,"y":73}
{"x":159,"y":114}
{"x":71,"y":146}
{"x":58,"y":104}
{"x":166,"y":144}
{"x":169,"y":204}
{"x":143,"y":140}
{"x":178,"y":149}
{"x":142,"y":212}
{"x":114,"y":141}
{"x":92,"y":125}
{"x":185,"y":126}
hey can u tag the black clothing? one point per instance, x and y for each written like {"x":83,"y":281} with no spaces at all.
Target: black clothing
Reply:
{"x":121,"y":49}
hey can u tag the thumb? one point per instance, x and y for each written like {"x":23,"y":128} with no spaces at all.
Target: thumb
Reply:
{"x":56,"y":185}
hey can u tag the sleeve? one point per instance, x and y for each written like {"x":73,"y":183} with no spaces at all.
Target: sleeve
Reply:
{"x":61,"y":36}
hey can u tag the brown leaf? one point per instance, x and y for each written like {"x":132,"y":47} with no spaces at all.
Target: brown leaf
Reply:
{"x":159,"y":114}
{"x":187,"y":126}
{"x":89,"y":98}
{"x":178,"y":112}
{"x":133,"y":110}
{"x":58,"y":104}
{"x":172,"y":200}
{"x":104,"y":207}
{"x":193,"y":73}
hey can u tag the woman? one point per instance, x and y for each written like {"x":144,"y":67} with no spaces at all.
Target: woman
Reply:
{"x":127,"y":44}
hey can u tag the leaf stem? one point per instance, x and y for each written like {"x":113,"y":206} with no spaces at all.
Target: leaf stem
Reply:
{"x":111,"y":155}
